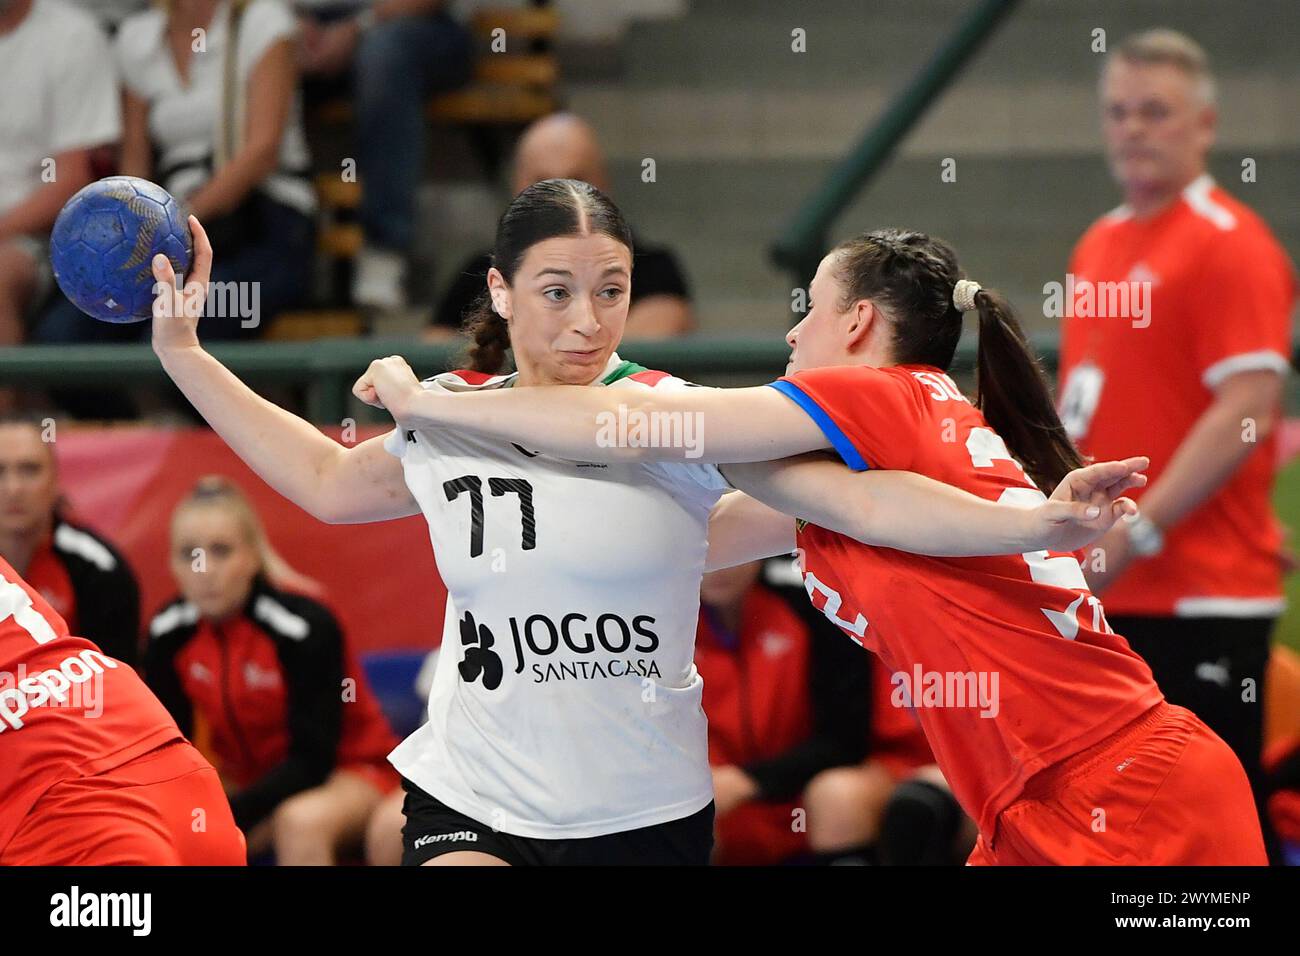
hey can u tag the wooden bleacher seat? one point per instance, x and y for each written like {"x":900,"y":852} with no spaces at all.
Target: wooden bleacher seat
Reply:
{"x":508,"y":88}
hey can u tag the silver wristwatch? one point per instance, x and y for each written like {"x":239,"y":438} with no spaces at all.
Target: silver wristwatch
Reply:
{"x":1146,"y":539}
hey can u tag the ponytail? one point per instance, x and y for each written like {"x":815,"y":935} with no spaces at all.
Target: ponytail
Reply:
{"x":489,"y":337}
{"x":1013,"y":394}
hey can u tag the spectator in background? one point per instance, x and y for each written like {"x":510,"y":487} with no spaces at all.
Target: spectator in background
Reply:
{"x":394,"y":54}
{"x":787,"y":696}
{"x":224,"y":119}
{"x":60,"y":102}
{"x":83,"y":577}
{"x":299,"y":740}
{"x":895,"y":808}
{"x":564,"y":146}
{"x":1195,"y":383}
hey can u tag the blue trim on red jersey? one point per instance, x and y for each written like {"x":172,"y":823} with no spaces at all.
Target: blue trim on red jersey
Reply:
{"x":839,"y":441}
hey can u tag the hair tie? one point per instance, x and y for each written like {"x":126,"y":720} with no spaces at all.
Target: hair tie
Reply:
{"x":963,"y":294}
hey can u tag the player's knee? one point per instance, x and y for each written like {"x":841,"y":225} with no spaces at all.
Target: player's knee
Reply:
{"x":306,"y":816}
{"x":384,"y":832}
{"x":844,"y":805}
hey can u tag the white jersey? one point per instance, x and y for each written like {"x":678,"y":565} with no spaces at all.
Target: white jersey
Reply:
{"x":566,"y":702}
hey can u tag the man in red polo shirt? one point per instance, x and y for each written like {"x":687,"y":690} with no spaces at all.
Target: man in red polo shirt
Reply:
{"x":1189,"y":371}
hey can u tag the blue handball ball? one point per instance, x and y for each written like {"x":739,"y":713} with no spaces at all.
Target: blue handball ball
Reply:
{"x":104,"y":242}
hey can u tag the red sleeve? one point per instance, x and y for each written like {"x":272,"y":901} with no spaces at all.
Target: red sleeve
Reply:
{"x":871,"y":416}
{"x":1241,"y":318}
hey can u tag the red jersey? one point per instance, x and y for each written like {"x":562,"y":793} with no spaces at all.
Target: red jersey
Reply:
{"x":67,"y":710}
{"x":787,"y":698}
{"x":756,"y":696}
{"x":282,"y":694}
{"x":1221,"y":291}
{"x":1008,"y":661}
{"x":897,"y":740}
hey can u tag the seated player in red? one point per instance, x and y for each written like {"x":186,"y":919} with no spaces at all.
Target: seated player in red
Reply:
{"x":298,"y":737}
{"x":894,"y":808}
{"x":787,"y":698}
{"x":93,"y":771}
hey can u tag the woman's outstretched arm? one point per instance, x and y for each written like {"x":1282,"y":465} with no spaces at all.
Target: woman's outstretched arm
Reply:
{"x":714,"y":425}
{"x":909,"y":512}
{"x":334,"y":483}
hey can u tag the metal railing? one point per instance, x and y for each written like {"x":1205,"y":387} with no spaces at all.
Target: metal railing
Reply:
{"x":325,"y":370}
{"x":803,"y":242}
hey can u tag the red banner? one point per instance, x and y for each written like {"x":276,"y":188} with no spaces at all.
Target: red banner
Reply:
{"x":380,"y":578}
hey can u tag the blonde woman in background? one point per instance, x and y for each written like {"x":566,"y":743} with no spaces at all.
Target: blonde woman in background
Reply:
{"x":299,"y":740}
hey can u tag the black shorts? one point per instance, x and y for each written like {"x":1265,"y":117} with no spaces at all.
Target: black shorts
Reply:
{"x":1202,"y":663}
{"x":432,"y":828}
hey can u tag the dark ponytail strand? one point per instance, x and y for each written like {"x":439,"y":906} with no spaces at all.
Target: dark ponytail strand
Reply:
{"x":489,"y":337}
{"x":1012,"y":392}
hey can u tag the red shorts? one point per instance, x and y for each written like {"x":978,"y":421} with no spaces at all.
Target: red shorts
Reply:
{"x":1163,"y":791}
{"x":164,"y":808}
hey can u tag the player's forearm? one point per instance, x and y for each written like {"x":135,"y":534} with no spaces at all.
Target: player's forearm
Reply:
{"x":288,"y":453}
{"x":693,"y":425}
{"x":913,"y":513}
{"x":891,"y":509}
{"x":561,"y":420}
{"x":1205,"y":461}
{"x":742,"y":529}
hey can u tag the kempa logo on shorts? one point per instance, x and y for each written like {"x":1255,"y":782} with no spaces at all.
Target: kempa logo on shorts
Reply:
{"x":51,"y":688}
{"x":460,"y":836}
{"x":74,"y":908}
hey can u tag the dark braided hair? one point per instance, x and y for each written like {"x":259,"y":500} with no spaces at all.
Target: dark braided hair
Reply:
{"x":912,"y":276}
{"x":545,"y":210}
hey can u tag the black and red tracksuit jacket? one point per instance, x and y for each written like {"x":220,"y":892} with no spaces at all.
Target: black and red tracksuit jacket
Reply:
{"x":283,"y":696}
{"x":91,"y":586}
{"x":787,"y":697}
